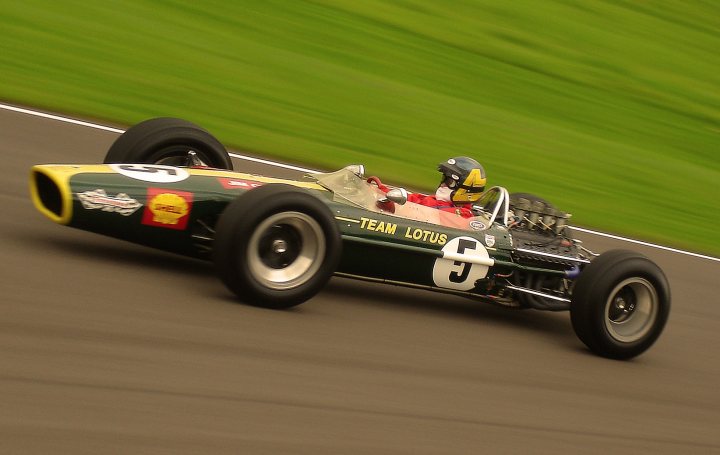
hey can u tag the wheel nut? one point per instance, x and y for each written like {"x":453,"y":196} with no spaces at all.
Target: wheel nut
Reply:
{"x":279,"y":246}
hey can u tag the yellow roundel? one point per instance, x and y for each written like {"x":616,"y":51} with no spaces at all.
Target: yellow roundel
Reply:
{"x":168,"y":208}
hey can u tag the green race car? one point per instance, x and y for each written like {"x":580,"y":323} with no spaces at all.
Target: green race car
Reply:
{"x":169,"y":184}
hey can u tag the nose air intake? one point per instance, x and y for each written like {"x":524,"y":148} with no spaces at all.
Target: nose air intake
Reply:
{"x":49,"y":197}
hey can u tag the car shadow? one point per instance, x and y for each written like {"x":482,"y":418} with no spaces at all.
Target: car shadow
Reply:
{"x":339,"y":290}
{"x":99,"y":248}
{"x":349,"y":291}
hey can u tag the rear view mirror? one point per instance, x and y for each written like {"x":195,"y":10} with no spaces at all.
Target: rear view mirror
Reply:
{"x":397,"y":195}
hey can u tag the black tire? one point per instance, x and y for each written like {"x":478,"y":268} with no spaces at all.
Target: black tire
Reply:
{"x":167,"y":141}
{"x":276,"y":246}
{"x":620,"y":304}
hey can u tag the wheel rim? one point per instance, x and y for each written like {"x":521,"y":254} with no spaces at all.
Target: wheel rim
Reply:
{"x":285,"y":250}
{"x":631,"y":310}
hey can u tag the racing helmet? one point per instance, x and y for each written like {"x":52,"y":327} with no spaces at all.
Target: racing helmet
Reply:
{"x":465,"y":176}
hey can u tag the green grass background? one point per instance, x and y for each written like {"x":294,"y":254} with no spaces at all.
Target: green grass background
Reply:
{"x":611,"y":109}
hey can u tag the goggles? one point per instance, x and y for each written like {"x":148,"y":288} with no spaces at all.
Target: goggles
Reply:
{"x":449,"y":181}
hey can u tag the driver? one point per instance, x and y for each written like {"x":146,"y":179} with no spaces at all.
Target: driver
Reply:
{"x":462,"y":184}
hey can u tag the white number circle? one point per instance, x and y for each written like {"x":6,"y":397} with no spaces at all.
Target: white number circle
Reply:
{"x":462,"y":276}
{"x":156,"y":173}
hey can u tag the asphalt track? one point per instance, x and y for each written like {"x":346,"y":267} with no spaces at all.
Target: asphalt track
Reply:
{"x":107,"y":347}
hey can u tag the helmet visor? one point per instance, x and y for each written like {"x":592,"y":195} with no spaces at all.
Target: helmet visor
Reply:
{"x":449,"y":181}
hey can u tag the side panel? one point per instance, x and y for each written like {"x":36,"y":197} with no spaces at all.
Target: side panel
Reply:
{"x":156,"y":214}
{"x":175,"y":209}
{"x":382,"y":252}
{"x":163,"y":207}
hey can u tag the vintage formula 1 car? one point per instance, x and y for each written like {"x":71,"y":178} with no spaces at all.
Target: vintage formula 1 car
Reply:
{"x":169,"y":184}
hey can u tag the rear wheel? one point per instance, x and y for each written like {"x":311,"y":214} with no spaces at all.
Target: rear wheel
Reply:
{"x":167,"y":141}
{"x":276,"y":246}
{"x":620,"y":304}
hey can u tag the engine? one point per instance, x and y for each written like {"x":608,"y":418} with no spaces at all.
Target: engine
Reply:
{"x":538,"y":216}
{"x":540,"y":234}
{"x":542,"y":239}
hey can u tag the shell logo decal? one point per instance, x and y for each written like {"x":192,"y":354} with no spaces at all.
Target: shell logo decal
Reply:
{"x":167,"y":208}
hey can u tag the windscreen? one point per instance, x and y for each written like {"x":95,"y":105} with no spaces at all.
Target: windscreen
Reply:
{"x":350,"y":188}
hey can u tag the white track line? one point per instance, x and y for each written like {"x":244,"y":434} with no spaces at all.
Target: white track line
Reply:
{"x":640,"y":242}
{"x":272,"y":163}
{"x":59,"y":118}
{"x":301,"y":169}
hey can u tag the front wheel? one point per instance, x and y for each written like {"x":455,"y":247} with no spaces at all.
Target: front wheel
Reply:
{"x":620,"y":304}
{"x":167,"y":141}
{"x":276,"y":246}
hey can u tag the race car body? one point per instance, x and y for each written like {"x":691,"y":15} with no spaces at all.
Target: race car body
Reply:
{"x":276,"y":242}
{"x":174,"y":209}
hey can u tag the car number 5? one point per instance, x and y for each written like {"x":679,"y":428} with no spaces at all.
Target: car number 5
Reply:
{"x":452,"y":274}
{"x":155,"y":173}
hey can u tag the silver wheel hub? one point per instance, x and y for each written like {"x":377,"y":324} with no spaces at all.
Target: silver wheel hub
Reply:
{"x":631,"y":310}
{"x":286,"y":250}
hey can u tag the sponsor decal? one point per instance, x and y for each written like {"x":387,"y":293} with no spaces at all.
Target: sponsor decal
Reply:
{"x":238,"y":184}
{"x":459,"y":275}
{"x":477,"y":225}
{"x":414,"y":233}
{"x":99,"y":200}
{"x":167,"y":208}
{"x":378,"y":226}
{"x":425,"y":235}
{"x":155,"y":173}
{"x":489,"y":240}
{"x":389,"y":228}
